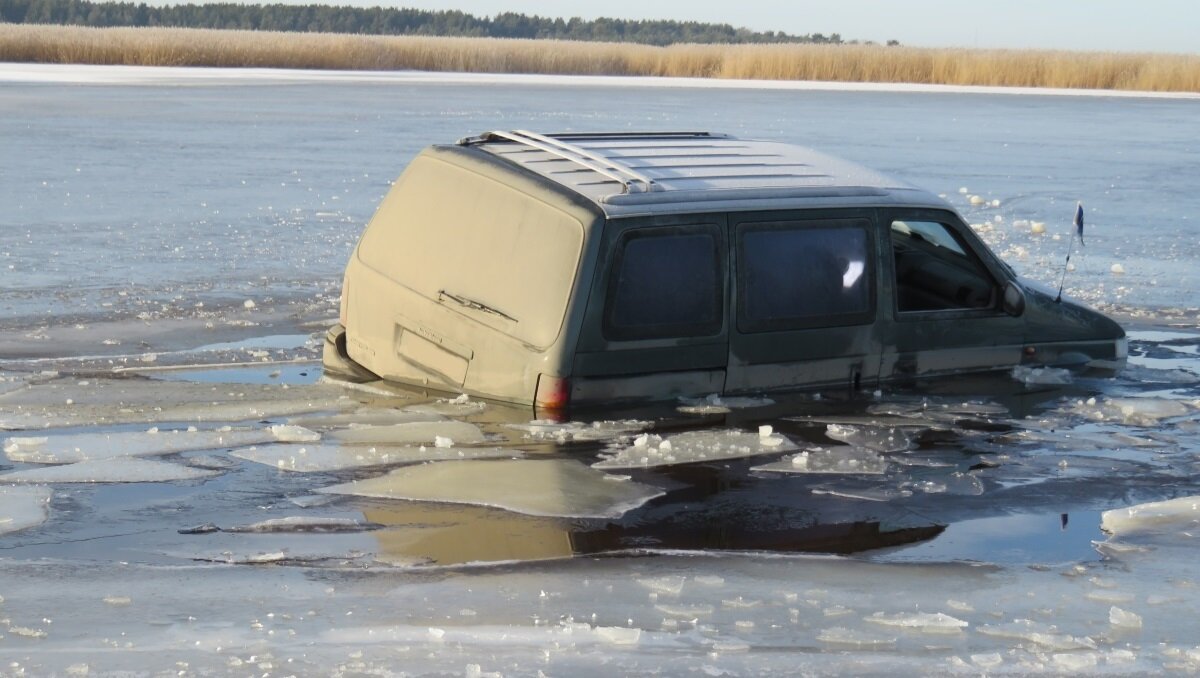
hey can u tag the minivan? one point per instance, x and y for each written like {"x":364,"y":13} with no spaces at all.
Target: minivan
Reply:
{"x":565,"y":270}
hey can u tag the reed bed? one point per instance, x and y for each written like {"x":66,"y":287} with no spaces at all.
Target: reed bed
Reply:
{"x":841,"y":63}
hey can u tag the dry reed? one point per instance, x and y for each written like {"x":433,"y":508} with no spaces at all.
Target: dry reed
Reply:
{"x":845,"y":63}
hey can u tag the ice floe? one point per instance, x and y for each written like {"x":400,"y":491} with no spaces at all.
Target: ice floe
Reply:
{"x":880,"y":439}
{"x":63,"y":402}
{"x":1041,"y":375}
{"x":718,"y":404}
{"x":114,"y":470}
{"x":551,"y":487}
{"x":77,"y":447}
{"x":23,"y":507}
{"x":1130,"y":411}
{"x":328,"y":457}
{"x":1045,"y":635}
{"x":365,"y":416}
{"x":1173,"y":515}
{"x":842,"y":459}
{"x":926,"y":622}
{"x":296,"y":524}
{"x":410,"y":433}
{"x":649,"y":450}
{"x":563,"y":432}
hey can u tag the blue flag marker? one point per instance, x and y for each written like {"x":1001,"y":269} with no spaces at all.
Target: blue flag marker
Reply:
{"x":1079,"y":221}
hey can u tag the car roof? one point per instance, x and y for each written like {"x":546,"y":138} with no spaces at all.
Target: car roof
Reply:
{"x":638,"y":173}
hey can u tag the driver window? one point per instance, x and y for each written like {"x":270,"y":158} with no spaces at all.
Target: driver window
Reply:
{"x":936,"y":271}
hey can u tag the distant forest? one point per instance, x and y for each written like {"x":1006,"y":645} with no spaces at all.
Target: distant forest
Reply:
{"x":385,"y":21}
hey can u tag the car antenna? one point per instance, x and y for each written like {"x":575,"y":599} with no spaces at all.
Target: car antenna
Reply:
{"x":1071,"y":243}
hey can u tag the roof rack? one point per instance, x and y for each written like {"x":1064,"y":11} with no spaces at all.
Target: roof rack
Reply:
{"x":631,"y":180}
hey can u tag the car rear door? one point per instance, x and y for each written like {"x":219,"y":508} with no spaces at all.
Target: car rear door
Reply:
{"x":655,"y":325}
{"x":805,"y":300}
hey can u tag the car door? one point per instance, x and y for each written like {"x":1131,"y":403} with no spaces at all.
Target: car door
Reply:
{"x":944,"y":299}
{"x":655,"y":325}
{"x":804,"y":304}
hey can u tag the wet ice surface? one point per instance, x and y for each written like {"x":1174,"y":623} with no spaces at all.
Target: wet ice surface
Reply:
{"x":1030,"y":524}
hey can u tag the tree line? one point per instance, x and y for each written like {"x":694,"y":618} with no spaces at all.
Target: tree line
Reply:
{"x":386,"y":21}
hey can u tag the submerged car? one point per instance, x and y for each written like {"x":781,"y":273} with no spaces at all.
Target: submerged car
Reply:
{"x":583,"y":269}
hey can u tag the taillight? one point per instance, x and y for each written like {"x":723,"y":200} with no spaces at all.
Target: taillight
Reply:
{"x":553,"y":393}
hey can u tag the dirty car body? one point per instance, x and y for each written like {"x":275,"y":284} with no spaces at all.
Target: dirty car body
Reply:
{"x":579,"y":269}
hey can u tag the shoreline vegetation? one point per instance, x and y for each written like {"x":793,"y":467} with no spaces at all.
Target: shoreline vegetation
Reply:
{"x":39,"y":43}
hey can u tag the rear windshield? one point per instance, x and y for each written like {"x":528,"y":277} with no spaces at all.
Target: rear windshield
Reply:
{"x":454,"y":235}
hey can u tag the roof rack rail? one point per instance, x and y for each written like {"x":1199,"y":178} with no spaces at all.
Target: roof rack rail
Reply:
{"x":603,"y":165}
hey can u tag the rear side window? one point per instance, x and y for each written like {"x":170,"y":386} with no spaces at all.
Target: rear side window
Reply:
{"x":804,"y":274}
{"x":666,"y":283}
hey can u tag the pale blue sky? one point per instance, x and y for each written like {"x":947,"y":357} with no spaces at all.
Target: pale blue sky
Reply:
{"x":1122,"y":25}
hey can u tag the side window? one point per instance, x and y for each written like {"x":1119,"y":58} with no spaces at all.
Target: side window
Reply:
{"x":804,"y":274}
{"x":936,"y":271}
{"x":666,"y":283}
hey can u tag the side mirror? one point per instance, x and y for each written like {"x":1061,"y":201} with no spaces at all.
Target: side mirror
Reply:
{"x":1014,"y":300}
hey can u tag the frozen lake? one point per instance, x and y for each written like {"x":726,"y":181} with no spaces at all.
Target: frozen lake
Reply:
{"x":180,"y":491}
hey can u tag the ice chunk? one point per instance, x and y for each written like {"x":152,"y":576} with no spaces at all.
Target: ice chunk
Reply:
{"x":64,"y":402}
{"x":717,"y":404}
{"x":454,"y":407}
{"x":540,"y":429}
{"x":326,"y":457}
{"x":685,"y":611}
{"x":365,"y":416}
{"x":670,"y":585}
{"x":409,"y":433}
{"x":552,"y":487}
{"x":294,"y":524}
{"x":1046,"y":635}
{"x":1124,"y":618}
{"x":880,"y":439}
{"x":842,"y":459}
{"x":650,"y":450}
{"x":867,"y":494}
{"x":847,"y":637}
{"x":1131,"y":411}
{"x":922,"y":621}
{"x":23,"y":507}
{"x":114,"y":470}
{"x":1173,"y":514}
{"x":1041,"y":375}
{"x":72,"y":448}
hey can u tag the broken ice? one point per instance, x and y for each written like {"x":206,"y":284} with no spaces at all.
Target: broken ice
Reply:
{"x":409,"y":433}
{"x":22,"y":507}
{"x":77,"y":447}
{"x":324,"y":458}
{"x":845,"y":459}
{"x":115,"y":470}
{"x":649,"y":450}
{"x":551,"y":487}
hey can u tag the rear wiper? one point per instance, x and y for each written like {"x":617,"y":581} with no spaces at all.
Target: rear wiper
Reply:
{"x":477,"y":305}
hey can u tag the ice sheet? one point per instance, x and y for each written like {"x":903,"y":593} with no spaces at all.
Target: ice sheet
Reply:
{"x":303,"y":524}
{"x":541,"y":429}
{"x":410,"y":433}
{"x":556,"y":487}
{"x":326,"y":458}
{"x":64,"y":401}
{"x":72,"y":448}
{"x":718,"y":404}
{"x":23,"y":507}
{"x":842,"y":459}
{"x":649,"y":450}
{"x":880,"y":439}
{"x":1041,"y":375}
{"x":1130,"y":411}
{"x":1172,"y":515}
{"x":365,"y":416}
{"x":115,"y":470}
